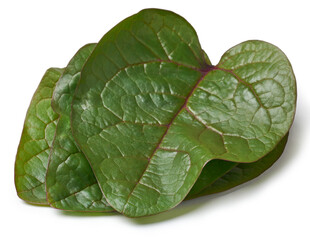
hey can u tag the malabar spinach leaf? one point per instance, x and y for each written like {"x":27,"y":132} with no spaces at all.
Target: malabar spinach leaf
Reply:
{"x":75,"y":188}
{"x":149,"y":111}
{"x":70,"y":182}
{"x":157,"y":122}
{"x":37,"y":136}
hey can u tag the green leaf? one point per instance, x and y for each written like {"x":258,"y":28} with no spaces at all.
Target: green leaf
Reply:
{"x":149,"y":112}
{"x":212,"y":171}
{"x":37,"y":136}
{"x":219,"y":175}
{"x":77,"y":188}
{"x":70,"y":182}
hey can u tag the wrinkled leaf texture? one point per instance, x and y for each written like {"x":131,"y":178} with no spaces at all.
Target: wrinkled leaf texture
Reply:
{"x":36,"y":140}
{"x":70,"y":182}
{"x":156,"y":121}
{"x":149,"y":112}
{"x":66,"y":184}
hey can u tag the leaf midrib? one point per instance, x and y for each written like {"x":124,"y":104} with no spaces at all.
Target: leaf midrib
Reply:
{"x":203,"y":72}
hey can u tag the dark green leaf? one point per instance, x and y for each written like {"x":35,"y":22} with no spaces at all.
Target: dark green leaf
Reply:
{"x":34,"y":147}
{"x":210,"y":173}
{"x":149,"y":111}
{"x":70,"y":182}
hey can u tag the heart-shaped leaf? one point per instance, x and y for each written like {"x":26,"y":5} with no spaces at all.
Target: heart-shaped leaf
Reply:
{"x":75,"y":188}
{"x":34,"y":147}
{"x":70,"y":182}
{"x":150,"y":112}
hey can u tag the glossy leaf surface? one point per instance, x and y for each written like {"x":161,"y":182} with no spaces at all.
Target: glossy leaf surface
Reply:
{"x":223,"y":175}
{"x":70,"y":182}
{"x":156,"y":121}
{"x":149,"y":112}
{"x":37,"y":136}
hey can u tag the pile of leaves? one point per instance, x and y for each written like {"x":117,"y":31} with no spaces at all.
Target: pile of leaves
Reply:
{"x":142,"y":120}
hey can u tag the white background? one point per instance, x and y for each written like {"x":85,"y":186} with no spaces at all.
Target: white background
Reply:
{"x":36,"y":35}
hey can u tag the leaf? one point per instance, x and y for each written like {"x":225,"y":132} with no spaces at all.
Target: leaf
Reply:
{"x":223,"y":175}
{"x":65,"y":154}
{"x":34,"y":147}
{"x":70,"y":182}
{"x":149,"y":112}
{"x":77,"y":188}
{"x":211,"y":172}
